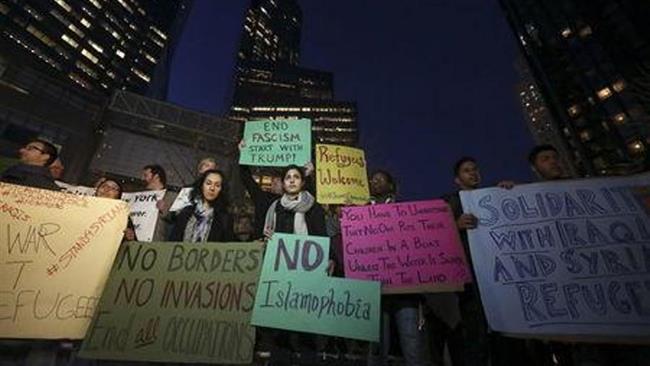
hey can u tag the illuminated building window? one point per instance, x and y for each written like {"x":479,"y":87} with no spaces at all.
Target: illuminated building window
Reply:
{"x":69,"y":40}
{"x":158,"y":32}
{"x":566,"y":32}
{"x":79,"y":80}
{"x":85,"y":22}
{"x":585,"y":135}
{"x":87,"y":54}
{"x":585,"y":31}
{"x":40,"y":35}
{"x":111,"y":74}
{"x":125,"y":6}
{"x":618,"y":85}
{"x":140,"y":74}
{"x":604,"y":93}
{"x":574,"y":110}
{"x":86,"y":69}
{"x":97,"y":47}
{"x":77,"y":31}
{"x":620,"y":118}
{"x":156,"y":41}
{"x":141,"y":11}
{"x":120,"y":53}
{"x":33,"y":12}
{"x":64,"y":5}
{"x":149,"y":57}
{"x":96,"y":3}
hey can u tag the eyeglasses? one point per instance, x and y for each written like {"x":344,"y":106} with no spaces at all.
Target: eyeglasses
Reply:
{"x":34,"y":147}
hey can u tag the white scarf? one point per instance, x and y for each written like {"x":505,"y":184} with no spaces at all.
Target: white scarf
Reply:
{"x":299,"y":206}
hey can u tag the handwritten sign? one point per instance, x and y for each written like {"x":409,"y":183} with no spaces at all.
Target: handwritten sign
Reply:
{"x":144,"y":212}
{"x":277,"y":143}
{"x":178,"y":302}
{"x":182,"y":199}
{"x":409,"y":247}
{"x":341,"y":175}
{"x":80,"y":190}
{"x":57,"y":250}
{"x":563,"y":258}
{"x":295,"y":293}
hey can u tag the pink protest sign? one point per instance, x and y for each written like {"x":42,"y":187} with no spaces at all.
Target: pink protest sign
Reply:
{"x":409,"y":247}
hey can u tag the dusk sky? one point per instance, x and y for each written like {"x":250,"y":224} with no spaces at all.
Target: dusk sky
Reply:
{"x":433,"y":81}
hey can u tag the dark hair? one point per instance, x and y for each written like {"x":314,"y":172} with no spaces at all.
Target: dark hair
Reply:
{"x":286,"y":169}
{"x":159,"y":171}
{"x":389,"y":178}
{"x":119,"y":185}
{"x":197,"y":188}
{"x":48,"y":149}
{"x":460,"y":163}
{"x":532,"y":156}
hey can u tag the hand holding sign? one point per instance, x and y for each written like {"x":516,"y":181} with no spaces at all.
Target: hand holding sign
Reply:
{"x":276,"y":143}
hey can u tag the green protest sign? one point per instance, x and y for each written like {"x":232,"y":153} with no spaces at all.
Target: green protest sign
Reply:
{"x":177,"y":302}
{"x":295,"y":293}
{"x":276,"y":143}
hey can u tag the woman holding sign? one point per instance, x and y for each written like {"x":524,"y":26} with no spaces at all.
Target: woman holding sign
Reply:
{"x":207,"y":218}
{"x":296,"y":212}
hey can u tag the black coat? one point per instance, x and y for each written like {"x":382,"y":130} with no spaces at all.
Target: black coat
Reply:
{"x":220,"y":231}
{"x":315,"y":219}
{"x":31,"y":176}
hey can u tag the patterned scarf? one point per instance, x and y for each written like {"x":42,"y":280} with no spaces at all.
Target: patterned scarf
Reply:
{"x":198,"y":226}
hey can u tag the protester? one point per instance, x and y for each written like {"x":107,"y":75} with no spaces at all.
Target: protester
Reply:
{"x":156,"y":179}
{"x":109,"y":188}
{"x":473,"y":345}
{"x":207,"y":218}
{"x":56,"y":169}
{"x":295,"y":212}
{"x":545,"y":162}
{"x":206,"y":164}
{"x":405,"y":310}
{"x":32,"y":171}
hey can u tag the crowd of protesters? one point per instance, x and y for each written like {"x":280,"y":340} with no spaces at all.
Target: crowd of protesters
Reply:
{"x":425,"y":329}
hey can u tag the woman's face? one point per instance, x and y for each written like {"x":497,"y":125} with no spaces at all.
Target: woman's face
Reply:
{"x":212,"y":187}
{"x":108,"y":189}
{"x":292,"y":182}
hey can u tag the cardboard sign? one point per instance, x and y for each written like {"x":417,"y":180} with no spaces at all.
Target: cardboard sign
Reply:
{"x":341,"y":175}
{"x":80,"y":190}
{"x":57,"y":250}
{"x":409,"y":247}
{"x":144,"y":212}
{"x":276,"y":143}
{"x":568,"y":258}
{"x":295,"y":292}
{"x":178,"y":302}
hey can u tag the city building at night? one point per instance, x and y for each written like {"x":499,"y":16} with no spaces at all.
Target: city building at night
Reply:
{"x":589,"y":62}
{"x":97,"y":45}
{"x":269,"y":84}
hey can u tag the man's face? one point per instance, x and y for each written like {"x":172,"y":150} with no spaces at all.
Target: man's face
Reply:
{"x":380,"y":185}
{"x":468,"y":176}
{"x":547,"y":165}
{"x":205,"y":165}
{"x":33,"y":154}
{"x":276,"y":185}
{"x":56,"y":169}
{"x":147,"y":176}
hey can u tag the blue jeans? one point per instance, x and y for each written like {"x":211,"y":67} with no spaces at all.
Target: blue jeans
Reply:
{"x":403,"y":310}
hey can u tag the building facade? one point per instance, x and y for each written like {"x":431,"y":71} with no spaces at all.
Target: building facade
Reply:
{"x":97,"y":45}
{"x":589,"y":60}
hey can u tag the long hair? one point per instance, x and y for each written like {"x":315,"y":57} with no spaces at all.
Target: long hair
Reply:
{"x":197,"y":189}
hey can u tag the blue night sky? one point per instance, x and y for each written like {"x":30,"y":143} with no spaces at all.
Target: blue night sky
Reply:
{"x":433,"y":81}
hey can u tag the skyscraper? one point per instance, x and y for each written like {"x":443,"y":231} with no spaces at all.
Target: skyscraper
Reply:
{"x":540,"y":122}
{"x":270,"y":84}
{"x":97,"y":45}
{"x":271,"y":32}
{"x":589,"y":59}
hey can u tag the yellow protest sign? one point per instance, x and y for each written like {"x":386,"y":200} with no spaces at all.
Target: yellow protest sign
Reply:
{"x":56,"y":250}
{"x":341,"y":176}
